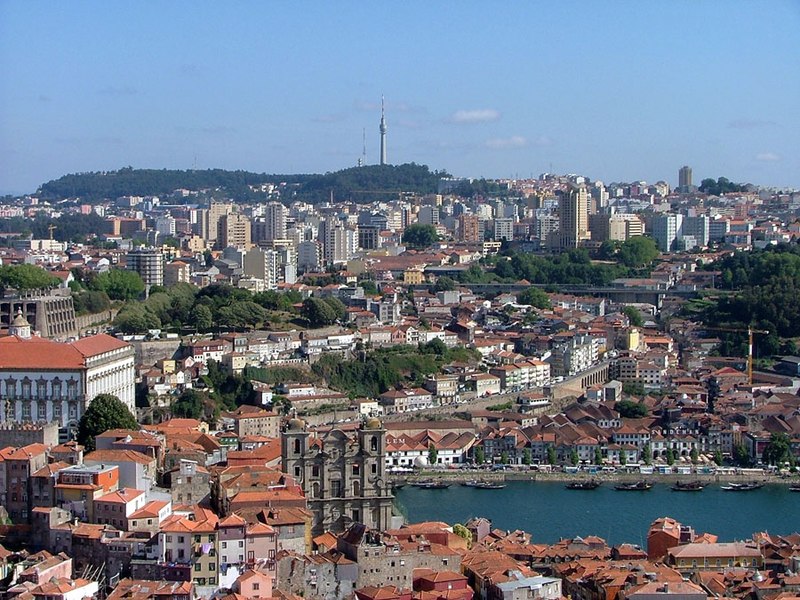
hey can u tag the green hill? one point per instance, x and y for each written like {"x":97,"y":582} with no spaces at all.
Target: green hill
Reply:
{"x":361,"y":184}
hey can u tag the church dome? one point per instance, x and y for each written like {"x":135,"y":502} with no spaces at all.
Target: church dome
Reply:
{"x":372,"y":423}
{"x":296,"y":424}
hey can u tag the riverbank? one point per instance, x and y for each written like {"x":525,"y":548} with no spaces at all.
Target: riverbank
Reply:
{"x":459,"y":476}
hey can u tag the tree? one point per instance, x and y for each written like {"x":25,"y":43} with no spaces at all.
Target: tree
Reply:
{"x":631,"y":410}
{"x":670,"y":457}
{"x":480,"y":455}
{"x":189,"y":405}
{"x":420,"y":236}
{"x":634,"y":316}
{"x":552,"y":458}
{"x":623,"y":457}
{"x":718,"y":457}
{"x":741,"y":456}
{"x":104,"y":412}
{"x":534,"y":297}
{"x":598,"y":456}
{"x":281,"y":404}
{"x":647,"y":454}
{"x":633,"y":388}
{"x":463,"y":532}
{"x":444,"y":284}
{"x":200,"y":317}
{"x":526,"y":456}
{"x":26,"y":277}
{"x":638,"y":252}
{"x":778,"y":450}
{"x":504,"y":457}
{"x":574,"y":459}
{"x":135,"y":318}
{"x":318,"y":312}
{"x":694,"y":455}
{"x":433,"y":454}
{"x":120,"y":284}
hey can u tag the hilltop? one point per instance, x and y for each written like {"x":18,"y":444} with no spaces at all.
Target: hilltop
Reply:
{"x":361,"y":184}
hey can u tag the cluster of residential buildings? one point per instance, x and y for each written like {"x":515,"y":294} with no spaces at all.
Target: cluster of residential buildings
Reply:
{"x":257,"y":504}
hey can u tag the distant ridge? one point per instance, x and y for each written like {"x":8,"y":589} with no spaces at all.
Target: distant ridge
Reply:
{"x":360,"y":184}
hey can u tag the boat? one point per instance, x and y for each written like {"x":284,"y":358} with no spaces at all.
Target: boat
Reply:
{"x":470,"y":483}
{"x":688,"y":486}
{"x":489,"y":485}
{"x":431,"y":485}
{"x":398,"y":485}
{"x":586,"y":484}
{"x":742,"y":487}
{"x":635,"y":486}
{"x":795,"y":487}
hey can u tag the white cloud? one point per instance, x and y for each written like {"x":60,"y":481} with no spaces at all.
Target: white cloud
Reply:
{"x":483,"y":115}
{"x":515,"y":141}
{"x":768,"y":157}
{"x":543,"y":140}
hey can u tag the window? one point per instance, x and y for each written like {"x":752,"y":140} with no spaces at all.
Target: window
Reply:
{"x":241,"y":543}
{"x":256,"y":587}
{"x":297,"y":471}
{"x":356,"y":469}
{"x":212,"y":580}
{"x":212,"y":566}
{"x":315,"y":471}
{"x":224,"y":545}
{"x":197,"y":539}
{"x":197,"y":566}
{"x":57,"y":410}
{"x":180,"y":539}
{"x":42,"y":410}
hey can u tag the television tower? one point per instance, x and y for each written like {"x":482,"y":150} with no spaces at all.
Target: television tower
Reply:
{"x":383,"y":134}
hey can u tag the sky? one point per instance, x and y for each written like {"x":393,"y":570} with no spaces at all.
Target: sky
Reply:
{"x":613,"y":90}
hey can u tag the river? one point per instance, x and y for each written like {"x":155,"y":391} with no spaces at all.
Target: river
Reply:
{"x":549,"y":511}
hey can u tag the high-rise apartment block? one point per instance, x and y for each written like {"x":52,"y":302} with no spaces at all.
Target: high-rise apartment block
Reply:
{"x":469,"y":228}
{"x":233,"y":230}
{"x":148,"y":263}
{"x":573,"y":214}
{"x":685,"y":179}
{"x":666,"y":231}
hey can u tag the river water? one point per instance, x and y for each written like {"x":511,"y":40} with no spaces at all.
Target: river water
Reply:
{"x":551,"y":512}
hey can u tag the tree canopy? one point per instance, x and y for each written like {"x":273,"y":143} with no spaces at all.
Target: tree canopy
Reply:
{"x":26,"y":277}
{"x":105,"y":412}
{"x":721,"y":186}
{"x":631,"y":410}
{"x":534,"y":297}
{"x":420,"y":236}
{"x":119,"y":284}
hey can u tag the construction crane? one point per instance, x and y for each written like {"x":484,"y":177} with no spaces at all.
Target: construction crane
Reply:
{"x":750,"y":332}
{"x":51,"y":228}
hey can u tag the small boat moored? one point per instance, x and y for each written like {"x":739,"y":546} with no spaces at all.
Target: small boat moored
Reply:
{"x":636,"y":486}
{"x":489,"y":485}
{"x":688,"y":486}
{"x":431,"y":485}
{"x":586,"y":484}
{"x":742,"y":487}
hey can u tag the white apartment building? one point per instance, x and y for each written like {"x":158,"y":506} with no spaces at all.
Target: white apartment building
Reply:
{"x":43,"y":380}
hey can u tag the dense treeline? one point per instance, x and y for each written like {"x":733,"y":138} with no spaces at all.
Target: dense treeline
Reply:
{"x":570,"y":268}
{"x":387,"y":368}
{"x":96,"y":186}
{"x":362,"y":184}
{"x":767,"y":283}
{"x":69,"y":227}
{"x":721,"y":186}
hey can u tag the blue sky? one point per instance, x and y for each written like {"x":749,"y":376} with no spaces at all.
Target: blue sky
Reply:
{"x":615,"y":90}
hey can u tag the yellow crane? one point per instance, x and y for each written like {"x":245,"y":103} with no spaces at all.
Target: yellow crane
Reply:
{"x":750,"y":332}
